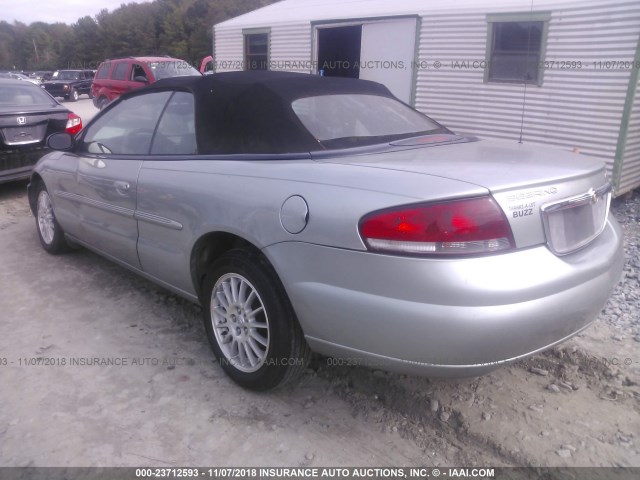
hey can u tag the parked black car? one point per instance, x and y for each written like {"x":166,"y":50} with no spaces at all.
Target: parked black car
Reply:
{"x":70,"y":84}
{"x":28,"y":115}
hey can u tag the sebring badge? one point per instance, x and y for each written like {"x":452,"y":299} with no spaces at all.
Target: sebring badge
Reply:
{"x":22,"y":120}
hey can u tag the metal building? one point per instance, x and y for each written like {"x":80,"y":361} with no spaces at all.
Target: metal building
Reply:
{"x":561,"y":72}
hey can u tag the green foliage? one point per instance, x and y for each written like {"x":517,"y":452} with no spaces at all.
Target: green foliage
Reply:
{"x":180,"y":28}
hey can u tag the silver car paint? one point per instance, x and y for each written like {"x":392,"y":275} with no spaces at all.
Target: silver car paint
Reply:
{"x":494,"y":164}
{"x":404,"y":312}
{"x":245,"y":198}
{"x":454,"y":313}
{"x":520,"y":178}
{"x":107,"y":193}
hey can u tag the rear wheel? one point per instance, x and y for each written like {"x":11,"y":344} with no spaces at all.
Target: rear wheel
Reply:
{"x":90,"y":93}
{"x":102,"y":102}
{"x":250,"y":323}
{"x":49,"y":230}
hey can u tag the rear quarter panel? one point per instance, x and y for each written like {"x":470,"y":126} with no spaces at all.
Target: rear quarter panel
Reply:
{"x":245,"y":197}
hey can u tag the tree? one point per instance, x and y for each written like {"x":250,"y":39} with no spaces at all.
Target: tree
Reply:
{"x":180,"y":28}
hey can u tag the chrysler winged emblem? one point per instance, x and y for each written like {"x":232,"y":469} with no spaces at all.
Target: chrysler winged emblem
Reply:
{"x":22,"y":120}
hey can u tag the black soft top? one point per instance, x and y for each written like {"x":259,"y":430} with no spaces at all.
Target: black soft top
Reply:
{"x":250,"y":112}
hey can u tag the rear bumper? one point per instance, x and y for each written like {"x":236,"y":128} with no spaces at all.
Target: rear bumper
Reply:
{"x":18,"y":164}
{"x":445,"y":317}
{"x":15,"y":174}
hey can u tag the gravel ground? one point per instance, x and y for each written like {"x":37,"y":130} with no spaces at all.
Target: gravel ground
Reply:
{"x":623,"y":310}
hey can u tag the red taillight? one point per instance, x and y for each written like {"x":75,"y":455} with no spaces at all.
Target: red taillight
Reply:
{"x":74,"y":124}
{"x":470,"y":226}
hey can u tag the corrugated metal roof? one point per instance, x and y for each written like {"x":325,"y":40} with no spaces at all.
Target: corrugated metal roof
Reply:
{"x":291,"y":11}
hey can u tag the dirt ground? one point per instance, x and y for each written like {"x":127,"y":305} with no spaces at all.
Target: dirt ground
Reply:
{"x":166,"y":404}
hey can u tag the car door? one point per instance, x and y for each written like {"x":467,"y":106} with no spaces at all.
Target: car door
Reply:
{"x":87,"y":78}
{"x":120,"y":80}
{"x":110,"y":154}
{"x":78,"y":85}
{"x":165,"y":210}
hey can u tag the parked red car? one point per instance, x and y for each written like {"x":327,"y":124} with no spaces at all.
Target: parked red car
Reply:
{"x":121,"y":75}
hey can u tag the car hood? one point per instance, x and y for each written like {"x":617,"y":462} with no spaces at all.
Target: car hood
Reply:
{"x":495,"y":165}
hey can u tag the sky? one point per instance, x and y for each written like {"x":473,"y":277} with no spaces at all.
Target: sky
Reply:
{"x":51,"y":11}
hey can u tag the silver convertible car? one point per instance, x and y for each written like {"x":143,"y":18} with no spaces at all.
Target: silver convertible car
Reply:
{"x":320,"y":214}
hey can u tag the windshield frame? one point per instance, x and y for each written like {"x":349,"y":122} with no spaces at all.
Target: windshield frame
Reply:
{"x":171,"y":68}
{"x":64,"y":75}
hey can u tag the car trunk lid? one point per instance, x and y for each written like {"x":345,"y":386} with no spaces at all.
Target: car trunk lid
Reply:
{"x":529,"y":183}
{"x":28,"y":128}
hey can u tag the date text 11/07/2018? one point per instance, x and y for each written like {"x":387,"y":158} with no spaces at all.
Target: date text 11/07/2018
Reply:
{"x":419,"y":64}
{"x":314,"y":472}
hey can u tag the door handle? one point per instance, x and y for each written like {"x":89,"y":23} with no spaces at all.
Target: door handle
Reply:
{"x":122,"y":187}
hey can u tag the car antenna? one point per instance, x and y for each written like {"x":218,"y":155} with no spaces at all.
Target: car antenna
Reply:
{"x":524,"y":93}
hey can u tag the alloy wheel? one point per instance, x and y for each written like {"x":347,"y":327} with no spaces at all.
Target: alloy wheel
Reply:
{"x":46,"y":221}
{"x":240,"y":322}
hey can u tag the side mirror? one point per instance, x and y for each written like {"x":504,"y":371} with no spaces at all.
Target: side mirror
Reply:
{"x":141,"y":79}
{"x":62,"y":141}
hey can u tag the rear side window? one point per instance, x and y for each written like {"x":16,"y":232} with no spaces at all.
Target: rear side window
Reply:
{"x":103,"y":71}
{"x":120,"y":72}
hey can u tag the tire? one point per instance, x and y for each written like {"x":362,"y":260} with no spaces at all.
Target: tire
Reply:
{"x":49,"y":230}
{"x":102,"y":102}
{"x":73,"y":96}
{"x":241,"y":288}
{"x":90,"y":93}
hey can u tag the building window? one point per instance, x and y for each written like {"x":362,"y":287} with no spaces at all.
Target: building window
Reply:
{"x":516,"y":47}
{"x":256,"y":50}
